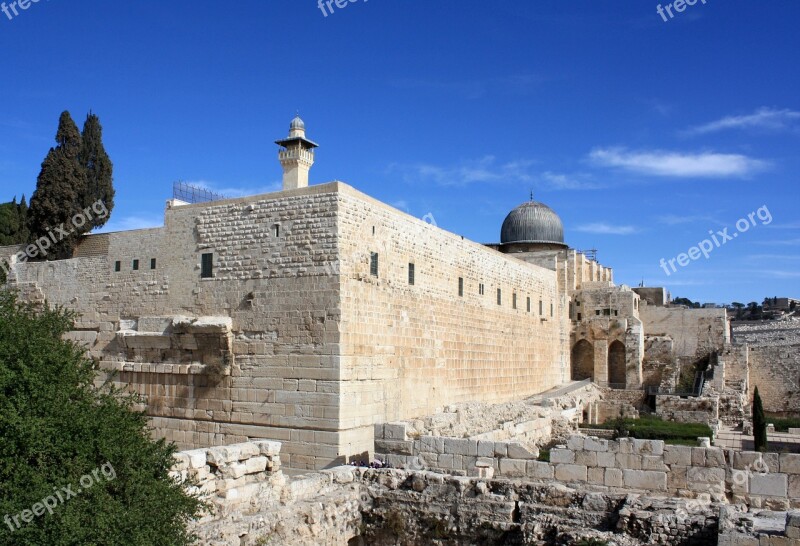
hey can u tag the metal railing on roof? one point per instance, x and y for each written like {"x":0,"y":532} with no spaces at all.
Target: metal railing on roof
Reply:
{"x":191,"y":193}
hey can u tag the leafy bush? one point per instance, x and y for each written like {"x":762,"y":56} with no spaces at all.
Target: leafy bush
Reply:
{"x":56,"y":428}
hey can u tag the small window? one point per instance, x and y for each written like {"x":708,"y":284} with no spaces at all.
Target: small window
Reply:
{"x":276,"y":230}
{"x":117,"y":266}
{"x":541,"y":307}
{"x":480,"y":289}
{"x":410,"y":273}
{"x":373,"y":230}
{"x":514,"y":301}
{"x":461,"y":286}
{"x":152,"y":263}
{"x":499,"y":297}
{"x":136,"y":265}
{"x":607,"y":312}
{"x":528,"y":304}
{"x":207,"y":266}
{"x":597,"y":311}
{"x":373,"y":264}
{"x":615,"y":312}
{"x":579,"y":316}
{"x":577,"y":303}
{"x":551,"y":309}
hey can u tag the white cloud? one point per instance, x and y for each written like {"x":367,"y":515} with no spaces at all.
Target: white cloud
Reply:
{"x":559,"y":181}
{"x":128,"y":223}
{"x":677,"y":164}
{"x":602,"y":228}
{"x":483,"y":170}
{"x":674,"y":219}
{"x":763,"y":118}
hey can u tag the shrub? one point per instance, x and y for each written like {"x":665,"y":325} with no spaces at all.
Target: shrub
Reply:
{"x":56,"y":428}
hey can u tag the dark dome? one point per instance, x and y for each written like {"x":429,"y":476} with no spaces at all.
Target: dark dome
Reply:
{"x":532,"y":222}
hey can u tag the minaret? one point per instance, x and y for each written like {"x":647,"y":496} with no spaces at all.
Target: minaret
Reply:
{"x":296,"y":155}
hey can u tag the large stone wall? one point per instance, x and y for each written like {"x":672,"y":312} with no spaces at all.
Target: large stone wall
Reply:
{"x":293,"y":339}
{"x":776,"y":373}
{"x":695,"y":332}
{"x":412,"y":348}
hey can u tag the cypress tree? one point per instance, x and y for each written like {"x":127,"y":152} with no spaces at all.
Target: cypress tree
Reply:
{"x":60,"y":190}
{"x":759,"y":423}
{"x":98,"y":167}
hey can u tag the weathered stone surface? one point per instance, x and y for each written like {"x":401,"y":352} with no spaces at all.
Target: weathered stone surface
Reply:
{"x":769,"y":485}
{"x":571,"y":473}
{"x":643,"y":479}
{"x":512,"y":467}
{"x":562,"y":456}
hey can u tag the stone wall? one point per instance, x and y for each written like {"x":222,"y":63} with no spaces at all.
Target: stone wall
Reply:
{"x":695,"y":332}
{"x":770,"y":480}
{"x":292,"y":338}
{"x":700,"y":409}
{"x":776,"y":373}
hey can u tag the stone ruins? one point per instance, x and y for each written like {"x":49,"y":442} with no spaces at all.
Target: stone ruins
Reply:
{"x":279,"y":337}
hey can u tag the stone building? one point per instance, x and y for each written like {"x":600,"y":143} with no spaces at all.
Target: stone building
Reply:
{"x":311,"y":314}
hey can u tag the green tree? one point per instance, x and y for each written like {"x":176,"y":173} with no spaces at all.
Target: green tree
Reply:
{"x":98,"y":168}
{"x":759,"y":423}
{"x":60,"y":190}
{"x":57,"y":428}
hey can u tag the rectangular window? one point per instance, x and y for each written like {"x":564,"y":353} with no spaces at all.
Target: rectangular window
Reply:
{"x":207,"y":266}
{"x":528,"y":303}
{"x":577,"y":303}
{"x":152,"y":263}
{"x":499,"y":297}
{"x":607,"y":312}
{"x":597,"y":311}
{"x":551,"y":309}
{"x":373,"y":264}
{"x":117,"y":266}
{"x":136,"y":265}
{"x":513,"y":301}
{"x":480,"y":289}
{"x":461,"y":286}
{"x":410,"y":273}
{"x":579,"y":317}
{"x":276,"y":230}
{"x":541,"y":307}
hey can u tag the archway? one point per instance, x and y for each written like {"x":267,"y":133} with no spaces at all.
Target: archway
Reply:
{"x":582,"y":361}
{"x":616,"y":364}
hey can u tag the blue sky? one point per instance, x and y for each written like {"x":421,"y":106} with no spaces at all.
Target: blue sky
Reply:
{"x":644,"y":135}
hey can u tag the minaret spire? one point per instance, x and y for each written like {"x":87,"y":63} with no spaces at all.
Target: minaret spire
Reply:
{"x":296,"y":155}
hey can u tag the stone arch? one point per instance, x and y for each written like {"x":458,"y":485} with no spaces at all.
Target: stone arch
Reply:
{"x":616,"y":363}
{"x":582,"y":361}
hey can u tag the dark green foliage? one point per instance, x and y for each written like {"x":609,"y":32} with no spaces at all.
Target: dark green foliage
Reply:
{"x":653,"y":428}
{"x":76,"y":174}
{"x":60,"y":190}
{"x":98,"y":168}
{"x":687,"y":302}
{"x":759,"y":423}
{"x":13,"y":222}
{"x":783,"y":424}
{"x":57,"y":427}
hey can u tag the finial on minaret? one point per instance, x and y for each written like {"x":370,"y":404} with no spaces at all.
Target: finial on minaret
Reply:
{"x":296,"y":155}
{"x":531,"y":195}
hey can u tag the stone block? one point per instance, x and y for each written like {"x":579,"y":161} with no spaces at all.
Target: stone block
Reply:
{"x":461,"y":446}
{"x":746,"y":460}
{"x":540,"y":470}
{"x":233,"y":470}
{"x":562,"y":456}
{"x":698,"y":456}
{"x":596,"y":475}
{"x":715,"y":457}
{"x":485,"y":448}
{"x":395,"y":431}
{"x":606,"y":459}
{"x":268,"y":448}
{"x":595,"y":444}
{"x":645,"y":479}
{"x":586,"y":458}
{"x":396,"y":447}
{"x":575,"y":442}
{"x":256,"y":464}
{"x":648,"y":447}
{"x":769,"y":485}
{"x":197,"y":458}
{"x":571,"y":473}
{"x":705,"y":479}
{"x":431,"y":444}
{"x":677,"y":478}
{"x":519,"y":451}
{"x":626,"y":445}
{"x":790,"y":463}
{"x":613,"y":477}
{"x":794,"y":486}
{"x":654,"y":462}
{"x":514,"y":468}
{"x":500,"y":449}
{"x":218,"y":456}
{"x":629,"y":461}
{"x":445,"y":461}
